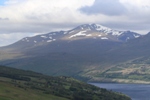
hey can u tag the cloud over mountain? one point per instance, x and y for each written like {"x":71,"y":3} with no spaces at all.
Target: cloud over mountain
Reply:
{"x":35,"y":16}
{"x":106,"y":7}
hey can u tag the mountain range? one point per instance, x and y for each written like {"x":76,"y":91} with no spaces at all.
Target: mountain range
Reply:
{"x":87,"y":31}
{"x":87,"y":52}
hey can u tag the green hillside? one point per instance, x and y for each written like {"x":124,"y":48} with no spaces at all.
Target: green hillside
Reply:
{"x":11,"y":92}
{"x":134,"y":71}
{"x":26,"y":85}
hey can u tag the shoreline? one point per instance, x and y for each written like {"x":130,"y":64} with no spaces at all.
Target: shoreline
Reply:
{"x":120,"y":81}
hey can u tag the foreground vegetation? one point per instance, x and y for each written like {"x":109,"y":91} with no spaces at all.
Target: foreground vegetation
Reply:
{"x":26,"y":85}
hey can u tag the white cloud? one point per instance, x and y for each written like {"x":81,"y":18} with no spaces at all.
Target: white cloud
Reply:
{"x":6,"y":39}
{"x":137,"y":9}
{"x":107,"y":7}
{"x":42,"y":10}
{"x":25,"y":17}
{"x":35,"y":13}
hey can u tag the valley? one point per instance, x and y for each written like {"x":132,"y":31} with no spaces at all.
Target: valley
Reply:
{"x":74,"y":50}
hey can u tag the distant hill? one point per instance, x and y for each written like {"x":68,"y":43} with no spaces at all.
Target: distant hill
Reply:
{"x":85,"y":52}
{"x":78,"y":47}
{"x":26,"y":85}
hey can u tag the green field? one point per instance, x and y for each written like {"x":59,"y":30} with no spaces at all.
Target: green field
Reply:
{"x":26,"y":85}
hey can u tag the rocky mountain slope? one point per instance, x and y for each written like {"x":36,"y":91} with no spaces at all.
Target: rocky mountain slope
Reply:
{"x":85,"y":51}
{"x":87,"y":31}
{"x":136,"y":65}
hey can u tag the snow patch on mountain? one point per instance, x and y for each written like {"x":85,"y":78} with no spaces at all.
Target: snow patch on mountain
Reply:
{"x":65,"y":32}
{"x":25,"y":39}
{"x":99,"y":35}
{"x":104,"y":38}
{"x":54,"y":39}
{"x":100,"y":28}
{"x":107,"y":30}
{"x":93,"y":31}
{"x":50,"y":37}
{"x":89,"y":35}
{"x":136,"y":36}
{"x":81,"y":33}
{"x":49,"y":41}
{"x":35,"y":41}
{"x":117,"y":33}
{"x":44,"y":36}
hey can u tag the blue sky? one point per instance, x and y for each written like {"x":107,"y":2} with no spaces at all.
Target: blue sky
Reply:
{"x":21,"y":18}
{"x":2,"y":2}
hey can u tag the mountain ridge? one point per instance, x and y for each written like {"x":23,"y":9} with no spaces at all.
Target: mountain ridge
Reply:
{"x":86,"y":31}
{"x":85,"y":51}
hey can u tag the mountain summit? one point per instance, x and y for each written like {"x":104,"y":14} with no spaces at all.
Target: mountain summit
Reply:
{"x":102,"y":32}
{"x":86,"y":31}
{"x":84,"y":50}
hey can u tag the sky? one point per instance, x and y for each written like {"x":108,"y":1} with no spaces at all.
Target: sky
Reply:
{"x":2,"y":2}
{"x":22,"y":18}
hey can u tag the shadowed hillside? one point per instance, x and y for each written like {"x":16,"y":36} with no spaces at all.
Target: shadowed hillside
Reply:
{"x":26,"y":85}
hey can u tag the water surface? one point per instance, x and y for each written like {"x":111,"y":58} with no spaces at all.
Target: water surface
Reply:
{"x":135,"y":91}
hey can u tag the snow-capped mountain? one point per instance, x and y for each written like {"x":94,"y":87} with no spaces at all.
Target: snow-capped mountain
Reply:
{"x":85,"y":48}
{"x":86,"y":31}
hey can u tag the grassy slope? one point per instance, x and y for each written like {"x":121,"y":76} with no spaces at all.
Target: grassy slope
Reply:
{"x":25,"y":85}
{"x":10,"y":92}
